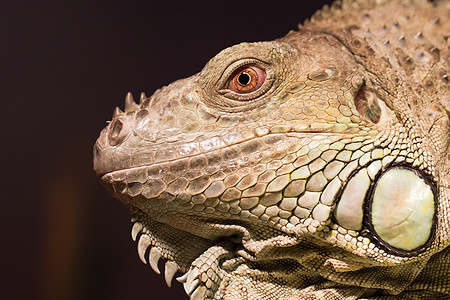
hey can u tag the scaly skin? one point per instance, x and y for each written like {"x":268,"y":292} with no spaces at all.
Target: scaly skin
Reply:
{"x":283,"y":192}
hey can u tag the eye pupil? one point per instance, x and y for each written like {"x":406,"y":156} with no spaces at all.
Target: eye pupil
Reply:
{"x":244,"y":78}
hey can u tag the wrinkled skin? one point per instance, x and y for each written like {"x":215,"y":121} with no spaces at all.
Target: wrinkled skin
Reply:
{"x":246,"y":191}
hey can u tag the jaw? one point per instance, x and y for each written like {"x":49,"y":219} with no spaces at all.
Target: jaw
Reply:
{"x":223,"y":256}
{"x":218,"y":252}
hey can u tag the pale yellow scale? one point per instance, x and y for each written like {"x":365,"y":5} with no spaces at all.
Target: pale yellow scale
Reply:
{"x":403,"y":209}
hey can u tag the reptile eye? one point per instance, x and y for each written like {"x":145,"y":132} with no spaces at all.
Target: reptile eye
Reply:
{"x":246,"y":79}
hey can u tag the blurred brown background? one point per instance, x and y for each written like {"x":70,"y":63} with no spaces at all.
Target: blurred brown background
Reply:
{"x":64,"y":66}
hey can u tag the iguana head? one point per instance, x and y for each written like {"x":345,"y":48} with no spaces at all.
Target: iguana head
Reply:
{"x":283,"y":169}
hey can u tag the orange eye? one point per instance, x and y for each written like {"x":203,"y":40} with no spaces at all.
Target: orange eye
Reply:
{"x":246,"y":79}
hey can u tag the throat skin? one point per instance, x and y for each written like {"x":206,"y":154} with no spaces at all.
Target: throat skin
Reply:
{"x":312,"y":166}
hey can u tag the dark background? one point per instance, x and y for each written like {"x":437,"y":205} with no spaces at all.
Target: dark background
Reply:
{"x":64,"y":66}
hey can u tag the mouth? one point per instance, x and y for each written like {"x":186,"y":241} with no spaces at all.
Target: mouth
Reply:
{"x":212,"y":149}
{"x":202,"y":239}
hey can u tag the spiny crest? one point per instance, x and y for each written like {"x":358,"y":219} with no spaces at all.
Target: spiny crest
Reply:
{"x":343,"y":9}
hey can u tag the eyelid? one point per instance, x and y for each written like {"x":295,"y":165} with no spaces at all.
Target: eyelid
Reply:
{"x":223,"y":81}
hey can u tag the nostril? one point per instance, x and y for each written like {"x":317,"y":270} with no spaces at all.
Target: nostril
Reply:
{"x":116,"y":133}
{"x":116,"y":129}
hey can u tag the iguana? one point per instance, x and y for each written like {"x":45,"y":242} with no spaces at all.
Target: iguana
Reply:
{"x":314,"y":166}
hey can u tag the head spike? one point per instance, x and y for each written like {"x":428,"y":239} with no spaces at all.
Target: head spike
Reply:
{"x":142,"y":98}
{"x":130,"y":105}
{"x":117,"y":112}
